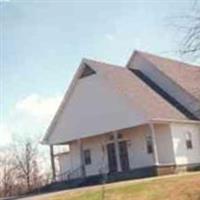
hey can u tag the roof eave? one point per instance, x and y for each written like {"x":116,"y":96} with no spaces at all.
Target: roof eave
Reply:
{"x":186,"y":121}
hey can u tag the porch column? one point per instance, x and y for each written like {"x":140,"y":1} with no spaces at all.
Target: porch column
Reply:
{"x":117,"y":151}
{"x":155,"y":149}
{"x":82,"y":163}
{"x":52,"y":162}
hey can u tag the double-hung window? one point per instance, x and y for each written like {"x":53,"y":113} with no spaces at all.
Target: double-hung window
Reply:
{"x":149,"y":144}
{"x":87,"y":157}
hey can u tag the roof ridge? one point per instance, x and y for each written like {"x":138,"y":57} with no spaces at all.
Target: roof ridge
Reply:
{"x":147,"y":55}
{"x":100,"y":62}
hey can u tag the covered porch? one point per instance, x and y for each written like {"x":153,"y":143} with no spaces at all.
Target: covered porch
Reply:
{"x":146,"y":149}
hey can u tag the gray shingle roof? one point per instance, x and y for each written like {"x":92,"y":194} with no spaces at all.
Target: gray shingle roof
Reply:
{"x":185,"y":75}
{"x":136,"y":91}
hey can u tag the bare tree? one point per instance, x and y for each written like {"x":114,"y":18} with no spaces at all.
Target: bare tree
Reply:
{"x":22,"y":167}
{"x":190,"y":45}
{"x":7,"y":174}
{"x":25,"y":154}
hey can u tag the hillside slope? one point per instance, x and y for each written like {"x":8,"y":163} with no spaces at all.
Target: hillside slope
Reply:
{"x":176,"y":187}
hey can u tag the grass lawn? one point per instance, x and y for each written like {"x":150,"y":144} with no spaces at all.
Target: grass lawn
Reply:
{"x":180,"y":187}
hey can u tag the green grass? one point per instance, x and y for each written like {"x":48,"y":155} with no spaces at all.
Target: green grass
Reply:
{"x":184,"y":187}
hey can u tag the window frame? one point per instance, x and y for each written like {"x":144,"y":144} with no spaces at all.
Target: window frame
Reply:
{"x":188,"y":140}
{"x":87,"y":157}
{"x":149,"y":144}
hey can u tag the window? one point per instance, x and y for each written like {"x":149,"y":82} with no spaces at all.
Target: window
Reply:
{"x":111,"y":137}
{"x":87,"y":157}
{"x":149,"y":144}
{"x":119,"y":136}
{"x":189,"y":140}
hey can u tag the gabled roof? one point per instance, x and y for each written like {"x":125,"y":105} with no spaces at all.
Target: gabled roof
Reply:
{"x":136,"y":91}
{"x":185,"y":75}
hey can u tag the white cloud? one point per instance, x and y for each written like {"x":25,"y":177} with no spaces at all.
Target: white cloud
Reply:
{"x":29,"y":117}
{"x":109,"y":36}
{"x":38,"y":106}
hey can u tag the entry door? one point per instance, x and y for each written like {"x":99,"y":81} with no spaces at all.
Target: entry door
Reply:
{"x":123,"y":153}
{"x":112,"y":160}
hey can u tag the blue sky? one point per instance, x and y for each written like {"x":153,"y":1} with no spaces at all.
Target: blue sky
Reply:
{"x":43,"y":42}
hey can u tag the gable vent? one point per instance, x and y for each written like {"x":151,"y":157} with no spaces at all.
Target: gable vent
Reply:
{"x":87,"y":71}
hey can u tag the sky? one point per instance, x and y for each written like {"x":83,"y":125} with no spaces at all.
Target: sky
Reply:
{"x":43,"y":42}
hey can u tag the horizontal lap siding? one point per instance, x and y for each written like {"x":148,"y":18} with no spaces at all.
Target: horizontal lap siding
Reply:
{"x":136,"y":144}
{"x":94,"y":108}
{"x":138,"y":156}
{"x":164,"y":144}
{"x":169,"y":151}
{"x":182,"y":154}
{"x":98,"y":157}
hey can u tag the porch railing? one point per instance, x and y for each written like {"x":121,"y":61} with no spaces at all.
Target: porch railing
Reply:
{"x":69,"y":174}
{"x":77,"y":173}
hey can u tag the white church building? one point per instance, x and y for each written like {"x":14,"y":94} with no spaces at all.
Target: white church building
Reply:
{"x":142,"y":119}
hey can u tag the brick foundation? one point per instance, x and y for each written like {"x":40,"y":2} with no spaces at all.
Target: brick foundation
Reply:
{"x":173,"y":169}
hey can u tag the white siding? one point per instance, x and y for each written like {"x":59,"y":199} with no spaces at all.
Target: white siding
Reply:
{"x":138,"y":156}
{"x":109,"y":111}
{"x":75,"y":155}
{"x":164,"y":144}
{"x":64,"y":161}
{"x":170,"y":141}
{"x":136,"y":143}
{"x":96,"y":145}
{"x":182,"y":154}
{"x":98,"y":157}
